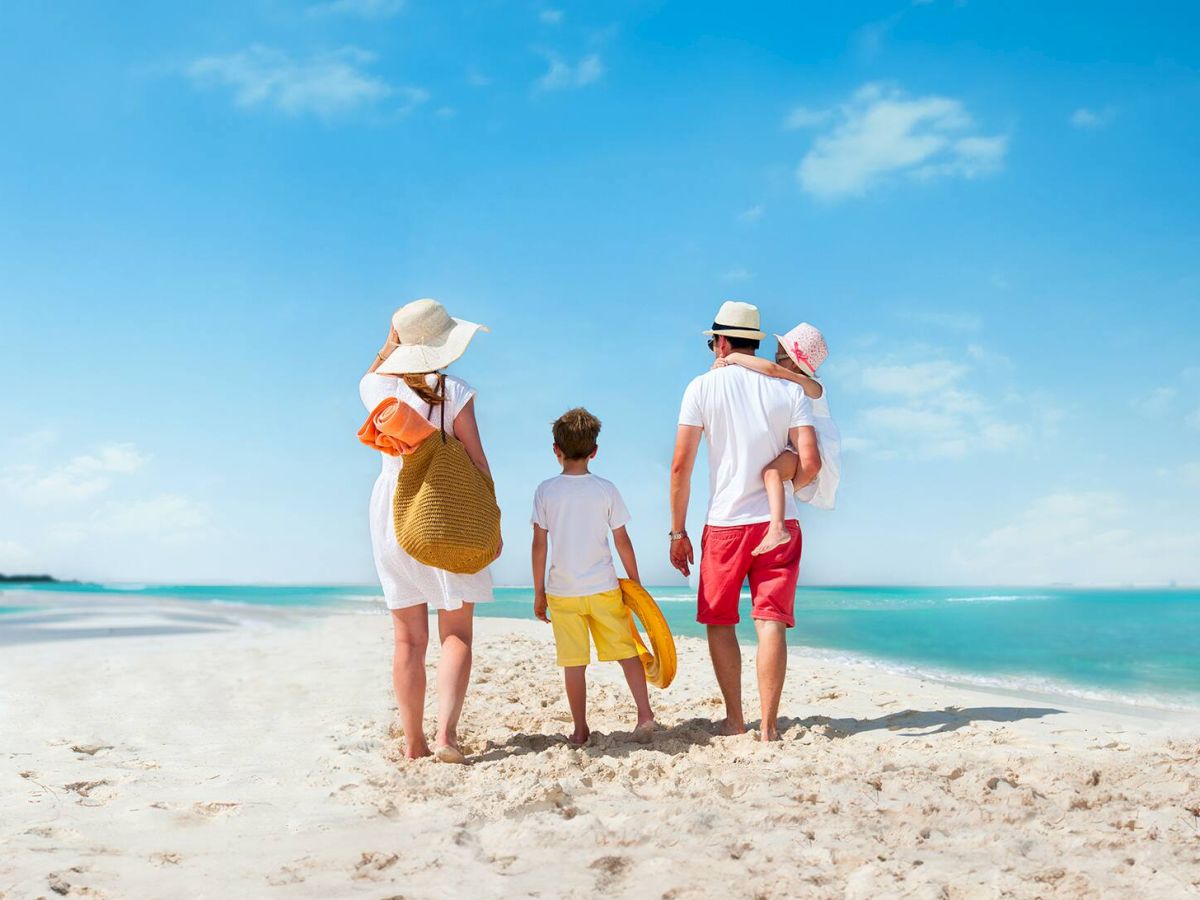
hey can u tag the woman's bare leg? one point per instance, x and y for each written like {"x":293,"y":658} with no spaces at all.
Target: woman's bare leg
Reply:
{"x":455,"y":628}
{"x":410,"y":627}
{"x":779,"y":470}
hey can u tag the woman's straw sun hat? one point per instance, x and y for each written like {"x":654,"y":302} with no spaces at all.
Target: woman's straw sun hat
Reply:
{"x":737,"y":320}
{"x":430,"y":338}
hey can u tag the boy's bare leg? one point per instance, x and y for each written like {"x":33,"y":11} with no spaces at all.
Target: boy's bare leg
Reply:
{"x":410,"y":629}
{"x":635,"y":677}
{"x":772,"y":668}
{"x":780,"y":470}
{"x":575,"y":680}
{"x":455,"y":628}
{"x":727,"y":664}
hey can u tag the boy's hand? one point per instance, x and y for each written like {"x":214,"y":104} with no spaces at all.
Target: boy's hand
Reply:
{"x":539,"y":606}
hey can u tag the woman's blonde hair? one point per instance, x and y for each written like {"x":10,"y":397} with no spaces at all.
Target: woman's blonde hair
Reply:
{"x":420,"y":386}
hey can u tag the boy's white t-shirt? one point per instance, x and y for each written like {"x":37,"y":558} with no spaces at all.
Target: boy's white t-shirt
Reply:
{"x":579,"y":511}
{"x":746,"y":418}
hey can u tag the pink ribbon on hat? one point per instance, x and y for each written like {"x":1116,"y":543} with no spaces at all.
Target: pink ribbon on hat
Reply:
{"x":801,"y":355}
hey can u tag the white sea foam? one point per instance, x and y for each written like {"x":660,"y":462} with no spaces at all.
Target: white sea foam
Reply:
{"x":998,"y":598}
{"x":1020,"y":684}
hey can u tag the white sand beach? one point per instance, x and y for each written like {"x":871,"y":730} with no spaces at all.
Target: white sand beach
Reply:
{"x":253,"y":757}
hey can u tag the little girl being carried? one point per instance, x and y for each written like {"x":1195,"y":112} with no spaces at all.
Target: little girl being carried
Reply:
{"x":797,"y":356}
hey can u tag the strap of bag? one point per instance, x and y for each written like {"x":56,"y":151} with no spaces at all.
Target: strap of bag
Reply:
{"x":441,"y":390}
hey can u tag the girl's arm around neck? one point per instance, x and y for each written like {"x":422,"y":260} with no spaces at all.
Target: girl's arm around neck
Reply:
{"x":811,"y":386}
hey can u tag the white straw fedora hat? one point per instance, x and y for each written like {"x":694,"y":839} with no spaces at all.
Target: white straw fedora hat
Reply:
{"x":738,"y":320}
{"x":430,"y":338}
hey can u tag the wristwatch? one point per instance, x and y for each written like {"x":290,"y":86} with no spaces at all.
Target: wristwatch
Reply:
{"x":677,"y":535}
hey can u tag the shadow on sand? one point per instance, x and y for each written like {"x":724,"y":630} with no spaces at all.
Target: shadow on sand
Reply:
{"x":680,"y":738}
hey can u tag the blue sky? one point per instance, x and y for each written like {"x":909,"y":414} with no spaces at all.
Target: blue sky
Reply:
{"x":207,"y":216}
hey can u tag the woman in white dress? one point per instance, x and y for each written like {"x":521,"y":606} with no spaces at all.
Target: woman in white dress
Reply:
{"x":424,"y":339}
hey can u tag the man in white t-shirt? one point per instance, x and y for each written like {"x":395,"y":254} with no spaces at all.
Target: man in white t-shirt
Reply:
{"x":748,"y":419}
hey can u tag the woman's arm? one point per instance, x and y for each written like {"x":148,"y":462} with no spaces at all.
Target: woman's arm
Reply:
{"x":811,"y":386}
{"x":625,"y":551}
{"x":393,"y":341}
{"x":466,"y":429}
{"x":539,"y":573}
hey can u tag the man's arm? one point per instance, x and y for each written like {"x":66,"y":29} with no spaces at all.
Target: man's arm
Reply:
{"x":687,"y":443}
{"x":539,"y":572}
{"x":804,"y":439}
{"x":625,"y":551}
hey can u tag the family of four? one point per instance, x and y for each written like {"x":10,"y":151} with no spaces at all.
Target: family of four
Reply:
{"x":770,"y":442}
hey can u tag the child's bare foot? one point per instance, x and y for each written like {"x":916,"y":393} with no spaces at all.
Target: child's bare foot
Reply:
{"x":645,"y":729}
{"x":580,"y":736}
{"x":776,"y":536}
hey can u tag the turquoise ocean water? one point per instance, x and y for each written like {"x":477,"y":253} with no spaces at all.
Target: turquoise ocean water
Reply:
{"x":1136,"y":645}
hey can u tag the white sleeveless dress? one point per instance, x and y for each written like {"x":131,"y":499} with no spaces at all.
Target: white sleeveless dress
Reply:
{"x":822,"y":492}
{"x":405,"y":581}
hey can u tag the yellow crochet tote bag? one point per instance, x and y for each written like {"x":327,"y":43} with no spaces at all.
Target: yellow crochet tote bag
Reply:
{"x":444,"y":509}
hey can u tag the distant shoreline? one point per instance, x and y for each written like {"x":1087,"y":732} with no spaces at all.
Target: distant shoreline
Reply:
{"x":29,"y":579}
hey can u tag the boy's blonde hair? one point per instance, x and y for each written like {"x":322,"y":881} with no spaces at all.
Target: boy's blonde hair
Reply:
{"x":575,"y":433}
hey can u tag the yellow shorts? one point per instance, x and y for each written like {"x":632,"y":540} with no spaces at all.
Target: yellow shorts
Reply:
{"x":604,"y":615}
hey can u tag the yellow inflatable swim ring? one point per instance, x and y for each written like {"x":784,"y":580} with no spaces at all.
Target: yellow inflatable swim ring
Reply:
{"x":659,"y":664}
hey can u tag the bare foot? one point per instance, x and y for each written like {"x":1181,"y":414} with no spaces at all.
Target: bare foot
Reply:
{"x":776,"y":536}
{"x":417,"y":751}
{"x":644,"y":732}
{"x":447,"y":754}
{"x":580,"y":736}
{"x":731,"y":729}
{"x":769,"y":734}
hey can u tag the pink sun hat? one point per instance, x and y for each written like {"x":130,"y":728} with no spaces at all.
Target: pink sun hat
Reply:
{"x":805,"y":345}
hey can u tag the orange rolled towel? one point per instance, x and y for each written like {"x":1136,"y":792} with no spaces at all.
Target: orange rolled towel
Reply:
{"x":395,"y":428}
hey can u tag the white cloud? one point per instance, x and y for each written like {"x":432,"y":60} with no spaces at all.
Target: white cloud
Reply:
{"x":869,"y":39}
{"x":881,"y":132}
{"x":925,"y":410}
{"x":1193,"y":419}
{"x":951,"y":321}
{"x":168,"y":518}
{"x":79,"y":479}
{"x":1157,"y":402}
{"x":802,"y":117}
{"x":1084,"y":537}
{"x":326,"y":85}
{"x":561,"y":75}
{"x":737,"y":274}
{"x":1092,"y":118}
{"x":365,"y":9}
{"x":13,"y":556}
{"x":446,"y":112}
{"x":752,"y":213}
{"x":551,"y":16}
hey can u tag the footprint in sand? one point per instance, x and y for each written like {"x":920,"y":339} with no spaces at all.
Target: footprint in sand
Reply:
{"x":166,"y":859}
{"x":371,"y":864}
{"x":213,"y":808}
{"x":89,"y":749}
{"x":610,"y":870}
{"x":84,"y":788}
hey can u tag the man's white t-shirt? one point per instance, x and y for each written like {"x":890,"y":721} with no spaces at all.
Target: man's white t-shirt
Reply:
{"x":579,"y":511}
{"x":746,"y":418}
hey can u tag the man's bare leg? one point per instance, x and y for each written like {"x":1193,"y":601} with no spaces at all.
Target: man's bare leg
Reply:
{"x":772,"y":668}
{"x":727,"y":664}
{"x":780,"y":470}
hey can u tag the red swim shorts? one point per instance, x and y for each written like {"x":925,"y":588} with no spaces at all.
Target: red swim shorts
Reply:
{"x":725,"y":564}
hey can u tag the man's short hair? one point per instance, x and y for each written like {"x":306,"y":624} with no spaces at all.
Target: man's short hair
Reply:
{"x":575,"y":433}
{"x":740,"y":343}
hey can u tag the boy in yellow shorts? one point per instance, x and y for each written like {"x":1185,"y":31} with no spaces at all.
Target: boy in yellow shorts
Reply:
{"x":576,"y":510}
